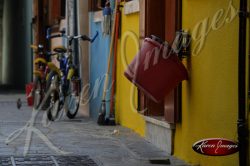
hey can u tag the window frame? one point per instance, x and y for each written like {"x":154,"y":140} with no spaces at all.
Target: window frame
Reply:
{"x":170,"y":108}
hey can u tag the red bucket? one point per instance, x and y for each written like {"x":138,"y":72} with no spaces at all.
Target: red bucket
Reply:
{"x":155,"y":71}
{"x":29,"y":96}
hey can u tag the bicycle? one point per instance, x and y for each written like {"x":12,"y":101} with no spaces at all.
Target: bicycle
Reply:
{"x":65,"y":85}
{"x":41,"y":70}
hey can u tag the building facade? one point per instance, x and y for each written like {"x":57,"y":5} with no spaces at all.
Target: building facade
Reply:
{"x":204,"y":106}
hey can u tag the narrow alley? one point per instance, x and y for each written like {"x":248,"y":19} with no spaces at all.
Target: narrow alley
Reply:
{"x":77,"y":142}
{"x":124,"y":83}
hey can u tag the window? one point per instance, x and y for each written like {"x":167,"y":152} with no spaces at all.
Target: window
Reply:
{"x":57,"y":10}
{"x":95,"y":5}
{"x":170,"y":13}
{"x":63,"y":8}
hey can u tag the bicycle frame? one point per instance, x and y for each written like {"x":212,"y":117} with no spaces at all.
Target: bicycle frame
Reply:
{"x":69,"y":80}
{"x":40,"y":72}
{"x":67,"y":67}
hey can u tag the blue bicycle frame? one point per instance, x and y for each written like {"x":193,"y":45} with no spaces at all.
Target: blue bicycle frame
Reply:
{"x":66,"y":61}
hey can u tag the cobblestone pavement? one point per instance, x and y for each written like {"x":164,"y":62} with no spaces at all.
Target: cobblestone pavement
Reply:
{"x":80,"y":141}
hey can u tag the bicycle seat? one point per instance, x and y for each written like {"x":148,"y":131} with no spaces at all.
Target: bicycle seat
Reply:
{"x":60,"y":49}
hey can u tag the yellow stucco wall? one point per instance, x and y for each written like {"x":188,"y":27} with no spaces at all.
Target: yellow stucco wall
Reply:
{"x":210,"y":96}
{"x":125,"y":113}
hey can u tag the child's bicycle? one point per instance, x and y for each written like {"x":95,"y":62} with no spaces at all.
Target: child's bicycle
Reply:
{"x":66,"y":84}
{"x":41,"y":70}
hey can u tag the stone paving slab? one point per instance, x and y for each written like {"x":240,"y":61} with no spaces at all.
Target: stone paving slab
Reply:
{"x":79,"y":137}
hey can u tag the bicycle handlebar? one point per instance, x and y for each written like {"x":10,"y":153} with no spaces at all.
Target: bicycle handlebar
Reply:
{"x":93,"y":39}
{"x":51,"y":53}
{"x":49,"y":36}
{"x":71,"y":38}
{"x":54,"y":36}
{"x":84,"y":37}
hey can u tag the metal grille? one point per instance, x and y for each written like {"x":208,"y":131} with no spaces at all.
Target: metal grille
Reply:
{"x":47,"y":161}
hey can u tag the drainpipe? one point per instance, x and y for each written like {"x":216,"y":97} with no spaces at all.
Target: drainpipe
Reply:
{"x":76,"y":32}
{"x":243,"y":135}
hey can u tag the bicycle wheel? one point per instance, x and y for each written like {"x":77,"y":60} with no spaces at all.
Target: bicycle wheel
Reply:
{"x":54,"y":107}
{"x":37,"y":92}
{"x":48,"y":83}
{"x":72,"y":100}
{"x":54,"y":101}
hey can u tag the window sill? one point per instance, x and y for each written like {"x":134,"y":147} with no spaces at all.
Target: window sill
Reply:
{"x":159,"y":121}
{"x":131,"y":7}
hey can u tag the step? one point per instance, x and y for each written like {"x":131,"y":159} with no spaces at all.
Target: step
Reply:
{"x":160,"y":133}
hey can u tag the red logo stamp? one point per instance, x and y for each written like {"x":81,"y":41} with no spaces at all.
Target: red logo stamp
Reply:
{"x":215,"y":147}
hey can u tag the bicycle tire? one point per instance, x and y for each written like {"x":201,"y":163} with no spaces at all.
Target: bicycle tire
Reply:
{"x":53,"y":100}
{"x":54,"y":107}
{"x":37,"y":92}
{"x":72,"y":109}
{"x":48,"y":83}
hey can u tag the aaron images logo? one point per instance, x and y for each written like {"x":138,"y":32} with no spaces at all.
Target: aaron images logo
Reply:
{"x":215,"y":147}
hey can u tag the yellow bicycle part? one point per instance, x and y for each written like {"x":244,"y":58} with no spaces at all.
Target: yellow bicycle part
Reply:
{"x":37,"y":73}
{"x":53,"y":67}
{"x":33,"y":47}
{"x":70,"y":73}
{"x":42,"y":60}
